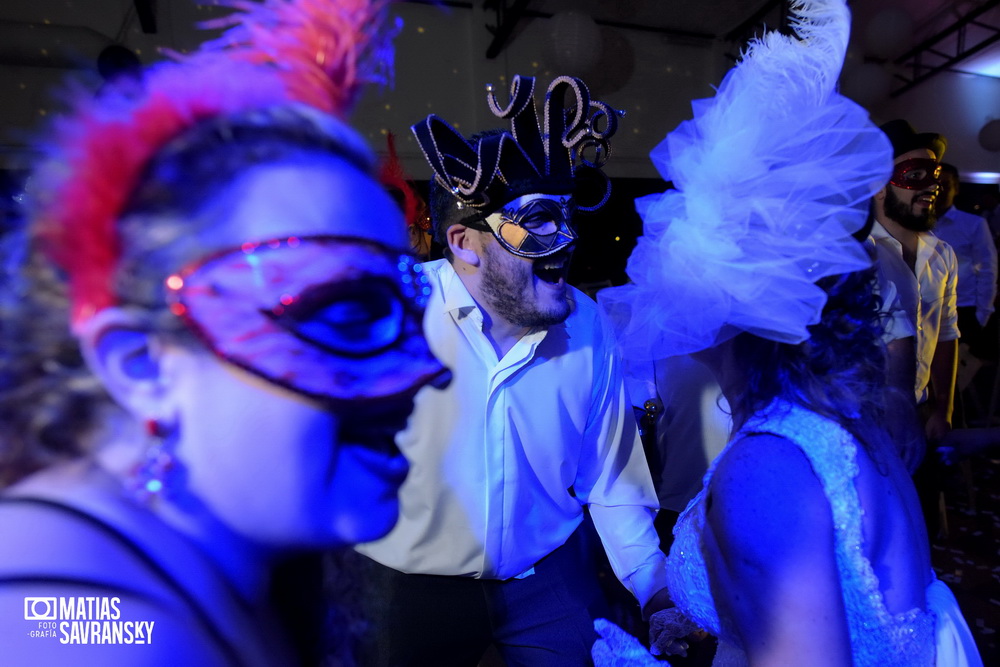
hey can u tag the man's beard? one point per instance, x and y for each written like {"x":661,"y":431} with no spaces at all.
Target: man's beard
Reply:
{"x":898,"y":211}
{"x":510,"y":292}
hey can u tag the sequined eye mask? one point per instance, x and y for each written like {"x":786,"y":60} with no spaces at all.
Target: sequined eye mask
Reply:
{"x":331,"y":317}
{"x":534,"y":225}
{"x":916,"y":173}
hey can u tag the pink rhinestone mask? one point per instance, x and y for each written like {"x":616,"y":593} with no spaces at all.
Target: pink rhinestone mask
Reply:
{"x":335,"y":318}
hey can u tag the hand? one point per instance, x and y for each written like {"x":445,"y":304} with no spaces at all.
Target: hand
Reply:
{"x":937,"y":426}
{"x":661,"y":600}
{"x":668,"y":629}
{"x":617,"y":648}
{"x":948,"y":455}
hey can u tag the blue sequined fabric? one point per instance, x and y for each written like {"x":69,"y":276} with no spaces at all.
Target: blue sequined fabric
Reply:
{"x":877,"y":636}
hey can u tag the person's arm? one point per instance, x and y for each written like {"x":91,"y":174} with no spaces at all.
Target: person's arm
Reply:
{"x":769,"y":548}
{"x":962,"y":443}
{"x":902,"y":422}
{"x":944,"y":368}
{"x":944,"y":364}
{"x":984,"y":258}
{"x":613,"y":480}
{"x":622,"y":504}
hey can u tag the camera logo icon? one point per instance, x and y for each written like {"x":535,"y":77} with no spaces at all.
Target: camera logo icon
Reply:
{"x":40,"y":609}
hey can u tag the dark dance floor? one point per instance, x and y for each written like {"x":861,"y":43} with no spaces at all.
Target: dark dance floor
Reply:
{"x":968,"y":559}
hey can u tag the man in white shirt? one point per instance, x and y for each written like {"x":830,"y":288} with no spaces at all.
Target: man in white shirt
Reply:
{"x":904,"y":217}
{"x":969,"y":236}
{"x":535,"y":425}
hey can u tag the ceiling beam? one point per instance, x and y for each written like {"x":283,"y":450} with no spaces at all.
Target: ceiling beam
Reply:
{"x":507,"y":20}
{"x":915,"y":58}
{"x":146,"y":10}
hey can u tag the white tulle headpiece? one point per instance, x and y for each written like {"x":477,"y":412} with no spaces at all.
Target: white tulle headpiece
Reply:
{"x":772,"y":176}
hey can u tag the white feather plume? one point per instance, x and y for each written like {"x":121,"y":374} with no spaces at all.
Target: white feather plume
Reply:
{"x":772,"y":175}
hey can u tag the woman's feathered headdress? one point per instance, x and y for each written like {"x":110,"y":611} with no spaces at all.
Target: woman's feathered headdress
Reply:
{"x":772,"y":176}
{"x":316,"y":53}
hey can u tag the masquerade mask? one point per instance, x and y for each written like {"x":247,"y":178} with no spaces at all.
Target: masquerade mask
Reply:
{"x":916,"y":173}
{"x":534,"y":225}
{"x":330,"y":317}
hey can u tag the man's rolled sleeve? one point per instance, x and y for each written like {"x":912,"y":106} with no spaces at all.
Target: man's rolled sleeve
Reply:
{"x":949,"y":312}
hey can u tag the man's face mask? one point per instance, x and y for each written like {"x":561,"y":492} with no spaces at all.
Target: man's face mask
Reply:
{"x":534,"y":225}
{"x":917,"y":173}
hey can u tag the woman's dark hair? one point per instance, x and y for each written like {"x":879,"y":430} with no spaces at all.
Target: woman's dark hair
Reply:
{"x":50,"y":403}
{"x":47,"y":396}
{"x":839,"y":372}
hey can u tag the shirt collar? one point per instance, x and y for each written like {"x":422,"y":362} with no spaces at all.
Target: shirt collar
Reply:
{"x":455,"y":297}
{"x":880,"y":235}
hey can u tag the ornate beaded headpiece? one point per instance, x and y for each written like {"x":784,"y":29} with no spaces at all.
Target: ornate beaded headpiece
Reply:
{"x":492,"y":169}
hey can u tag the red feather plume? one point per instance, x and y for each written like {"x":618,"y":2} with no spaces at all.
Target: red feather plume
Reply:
{"x":313,"y":52}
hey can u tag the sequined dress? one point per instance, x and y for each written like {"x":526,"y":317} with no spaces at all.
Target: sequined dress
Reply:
{"x":878,"y":637}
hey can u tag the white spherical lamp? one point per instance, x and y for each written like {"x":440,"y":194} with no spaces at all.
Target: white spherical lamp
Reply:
{"x":989,"y":136}
{"x":574,"y":44}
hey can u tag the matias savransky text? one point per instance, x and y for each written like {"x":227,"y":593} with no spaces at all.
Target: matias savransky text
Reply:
{"x":85,"y":620}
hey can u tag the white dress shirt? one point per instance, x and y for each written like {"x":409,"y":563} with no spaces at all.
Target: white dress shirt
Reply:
{"x":897,"y":286}
{"x":935,"y":309}
{"x":969,"y":236}
{"x":505,"y":457}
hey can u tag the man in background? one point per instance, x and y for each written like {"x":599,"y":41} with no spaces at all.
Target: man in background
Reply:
{"x":970,"y":238}
{"x":904,"y":217}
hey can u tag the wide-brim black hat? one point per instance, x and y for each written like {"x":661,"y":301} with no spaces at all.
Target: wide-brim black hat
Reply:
{"x":905,"y":139}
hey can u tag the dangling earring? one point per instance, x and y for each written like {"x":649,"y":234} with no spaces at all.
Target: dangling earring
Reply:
{"x":150,"y":476}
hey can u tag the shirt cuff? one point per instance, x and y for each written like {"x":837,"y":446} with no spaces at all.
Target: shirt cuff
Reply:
{"x":648,"y":580}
